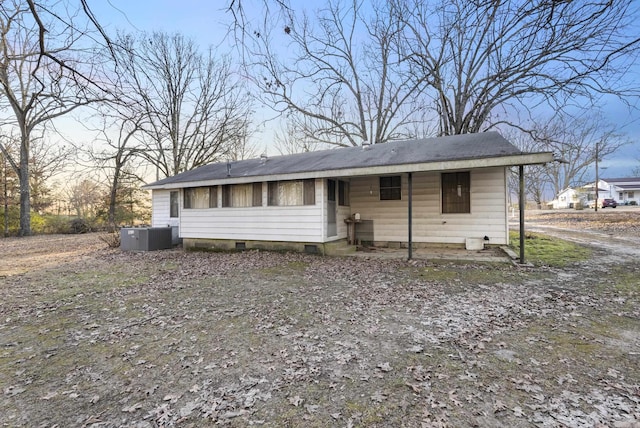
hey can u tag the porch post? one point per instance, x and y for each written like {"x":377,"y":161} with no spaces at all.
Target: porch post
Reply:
{"x":521,"y":203}
{"x":410,"y":215}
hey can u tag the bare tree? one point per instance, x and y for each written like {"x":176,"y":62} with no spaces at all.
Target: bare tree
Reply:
{"x":116,"y":153}
{"x":538,"y":187}
{"x":291,"y":139}
{"x":85,"y":198}
{"x":578,"y":142}
{"x":40,"y":59}
{"x":48,"y":160}
{"x":486,"y":62}
{"x":240,"y":147}
{"x":9,"y":190}
{"x":343,"y":81}
{"x":195,"y":107}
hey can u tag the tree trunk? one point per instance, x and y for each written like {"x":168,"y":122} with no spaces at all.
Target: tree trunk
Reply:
{"x":113,"y":194}
{"x":25,"y":191}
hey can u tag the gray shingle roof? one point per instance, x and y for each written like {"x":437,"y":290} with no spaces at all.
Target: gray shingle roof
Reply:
{"x":622,"y":180}
{"x":441,"y":149}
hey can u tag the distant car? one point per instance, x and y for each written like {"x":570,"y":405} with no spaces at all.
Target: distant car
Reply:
{"x":609,"y":203}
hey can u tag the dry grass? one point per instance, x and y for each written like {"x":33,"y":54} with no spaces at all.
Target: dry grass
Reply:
{"x":104,"y":338}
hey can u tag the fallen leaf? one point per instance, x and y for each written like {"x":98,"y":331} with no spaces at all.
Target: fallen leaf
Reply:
{"x":415,"y":388}
{"x":49,"y":395}
{"x":13,"y":390}
{"x":172,"y":398}
{"x":499,"y":406}
{"x":416,"y":349}
{"x":132,"y":408}
{"x":378,"y":397}
{"x":311,"y":408}
{"x":385,"y":367}
{"x":454,"y":399}
{"x":296,"y":401}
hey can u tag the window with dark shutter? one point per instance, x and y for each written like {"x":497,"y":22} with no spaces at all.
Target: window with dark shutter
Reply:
{"x":226,"y":195}
{"x":272,"y":193}
{"x":213,"y":197}
{"x":257,"y":194}
{"x":456,"y":192}
{"x":309,"y":192}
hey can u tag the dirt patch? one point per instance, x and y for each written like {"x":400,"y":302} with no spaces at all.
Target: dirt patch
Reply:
{"x":20,"y":255}
{"x":620,"y":222}
{"x":112,"y":339}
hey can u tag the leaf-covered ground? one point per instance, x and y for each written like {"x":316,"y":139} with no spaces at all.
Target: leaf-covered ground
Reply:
{"x":110,"y":339}
{"x":620,"y":221}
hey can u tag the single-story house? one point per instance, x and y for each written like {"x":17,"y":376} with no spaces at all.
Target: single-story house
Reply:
{"x":567,"y":198}
{"x":605,"y":191}
{"x":624,"y":190}
{"x":414,"y":193}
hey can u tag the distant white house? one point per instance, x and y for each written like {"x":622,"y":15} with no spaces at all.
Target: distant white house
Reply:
{"x":567,"y":198}
{"x":441,"y":190}
{"x":624,"y":190}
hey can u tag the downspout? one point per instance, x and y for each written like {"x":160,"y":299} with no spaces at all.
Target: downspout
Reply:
{"x":521,"y":204}
{"x":410,"y":215}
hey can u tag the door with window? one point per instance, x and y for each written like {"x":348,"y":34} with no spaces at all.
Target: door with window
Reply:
{"x":332,"y":227}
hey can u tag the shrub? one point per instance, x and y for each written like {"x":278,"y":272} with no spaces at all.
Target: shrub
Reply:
{"x":112,"y":239}
{"x":38,"y":223}
{"x":79,"y":225}
{"x":57,"y":224}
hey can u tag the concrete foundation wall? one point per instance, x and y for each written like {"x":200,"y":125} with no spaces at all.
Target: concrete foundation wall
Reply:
{"x":329,"y":248}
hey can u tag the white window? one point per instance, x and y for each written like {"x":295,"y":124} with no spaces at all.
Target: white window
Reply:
{"x":200,"y":197}
{"x":292,"y":192}
{"x":242,"y":195}
{"x":174,"y":204}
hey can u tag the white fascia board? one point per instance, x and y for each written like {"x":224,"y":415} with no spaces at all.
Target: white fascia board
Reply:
{"x":526,"y":159}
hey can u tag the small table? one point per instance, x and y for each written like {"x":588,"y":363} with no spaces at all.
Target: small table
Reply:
{"x":351,"y":230}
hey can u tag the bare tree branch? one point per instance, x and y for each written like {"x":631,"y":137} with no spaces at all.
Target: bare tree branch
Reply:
{"x":195,"y":108}
{"x":481,"y":59}
{"x":345,"y":82}
{"x":46,"y":71}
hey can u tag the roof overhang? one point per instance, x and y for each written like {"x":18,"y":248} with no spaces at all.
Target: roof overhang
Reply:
{"x":488,"y":162}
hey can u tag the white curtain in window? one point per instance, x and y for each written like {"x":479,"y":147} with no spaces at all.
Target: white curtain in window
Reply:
{"x":290,"y":193}
{"x":200,"y":197}
{"x":242,"y":195}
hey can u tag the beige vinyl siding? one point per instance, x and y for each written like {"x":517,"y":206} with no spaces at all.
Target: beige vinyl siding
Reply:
{"x":161,"y":209}
{"x":302,"y":223}
{"x":488,"y":214}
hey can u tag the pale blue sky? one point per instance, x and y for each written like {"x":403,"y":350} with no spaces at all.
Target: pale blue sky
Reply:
{"x":204,"y":21}
{"x":207,"y":22}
